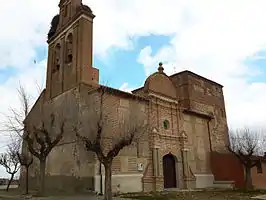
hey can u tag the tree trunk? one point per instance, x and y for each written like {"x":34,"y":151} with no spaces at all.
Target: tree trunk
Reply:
{"x":27,"y":180}
{"x":9,"y":182}
{"x":42,"y":178}
{"x":248,"y":178}
{"x":108,"y":181}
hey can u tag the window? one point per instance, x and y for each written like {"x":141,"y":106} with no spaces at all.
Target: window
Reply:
{"x":166,"y":124}
{"x":69,"y":45}
{"x":259,"y":168}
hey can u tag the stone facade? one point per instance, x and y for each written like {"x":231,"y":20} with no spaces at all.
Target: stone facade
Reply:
{"x":185,"y":112}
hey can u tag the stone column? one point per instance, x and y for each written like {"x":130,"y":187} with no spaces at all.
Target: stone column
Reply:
{"x":158,"y":161}
{"x":158,"y":180}
{"x":154,"y":161}
{"x":185,"y":167}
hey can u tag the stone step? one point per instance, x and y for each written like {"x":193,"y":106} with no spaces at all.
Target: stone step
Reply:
{"x":224,"y":184}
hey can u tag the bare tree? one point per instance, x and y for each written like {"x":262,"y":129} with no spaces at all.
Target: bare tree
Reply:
{"x":246,"y":144}
{"x":14,"y":126}
{"x":41,"y":140}
{"x":99,"y":135}
{"x":14,"y":121}
{"x":25,"y":161}
{"x":10,"y":162}
{"x":37,"y":140}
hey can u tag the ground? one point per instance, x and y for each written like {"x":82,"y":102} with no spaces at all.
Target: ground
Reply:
{"x":186,"y":195}
{"x":200,"y":195}
{"x":15,"y":194}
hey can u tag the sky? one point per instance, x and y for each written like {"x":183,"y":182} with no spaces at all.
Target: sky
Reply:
{"x":222,"y":40}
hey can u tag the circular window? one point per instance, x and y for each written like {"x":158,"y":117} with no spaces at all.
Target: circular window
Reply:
{"x":166,"y":124}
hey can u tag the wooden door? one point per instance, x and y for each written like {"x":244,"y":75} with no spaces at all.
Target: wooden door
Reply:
{"x":169,"y":171}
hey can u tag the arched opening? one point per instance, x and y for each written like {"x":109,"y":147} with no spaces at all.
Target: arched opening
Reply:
{"x":57,"y":58}
{"x":169,"y":171}
{"x":69,"y":45}
{"x":166,"y":124}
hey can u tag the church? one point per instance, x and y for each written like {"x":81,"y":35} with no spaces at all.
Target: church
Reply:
{"x":186,"y":110}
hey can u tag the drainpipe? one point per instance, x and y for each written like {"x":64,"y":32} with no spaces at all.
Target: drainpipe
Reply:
{"x":209,"y":132}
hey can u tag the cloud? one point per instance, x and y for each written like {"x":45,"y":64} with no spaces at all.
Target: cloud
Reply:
{"x":125,"y":87}
{"x":138,"y":20}
{"x":210,"y":38}
{"x":30,"y":78}
{"x":222,"y":36}
{"x":23,"y":29}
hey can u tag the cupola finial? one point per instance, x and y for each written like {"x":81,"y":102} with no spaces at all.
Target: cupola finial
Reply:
{"x":160,"y":68}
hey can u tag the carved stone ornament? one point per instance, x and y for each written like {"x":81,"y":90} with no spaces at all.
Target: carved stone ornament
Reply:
{"x":183,"y":134}
{"x":155,"y":130}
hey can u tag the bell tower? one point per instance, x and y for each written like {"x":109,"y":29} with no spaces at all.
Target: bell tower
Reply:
{"x":70,"y":43}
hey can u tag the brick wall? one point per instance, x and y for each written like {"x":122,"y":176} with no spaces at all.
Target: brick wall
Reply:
{"x":204,"y":96}
{"x":226,"y":167}
{"x":259,"y":179}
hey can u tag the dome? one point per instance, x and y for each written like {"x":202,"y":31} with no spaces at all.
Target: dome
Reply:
{"x":160,"y":83}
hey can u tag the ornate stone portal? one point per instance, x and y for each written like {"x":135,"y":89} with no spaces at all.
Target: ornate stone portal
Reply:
{"x":171,"y":168}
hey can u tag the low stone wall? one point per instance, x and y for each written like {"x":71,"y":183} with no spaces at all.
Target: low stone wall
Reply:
{"x":62,"y":183}
{"x":120,"y":183}
{"x":123,"y":183}
{"x":204,"y":180}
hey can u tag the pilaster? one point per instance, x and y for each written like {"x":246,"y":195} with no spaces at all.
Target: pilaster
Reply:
{"x":189,"y":179}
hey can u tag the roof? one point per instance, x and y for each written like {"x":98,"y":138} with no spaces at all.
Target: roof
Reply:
{"x":123,"y":93}
{"x":189,"y":72}
{"x":118,"y":92}
{"x":35,"y":103}
{"x":198,"y":76}
{"x":138,"y":89}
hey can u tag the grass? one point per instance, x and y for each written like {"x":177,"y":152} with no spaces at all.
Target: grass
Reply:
{"x":188,"y":195}
{"x":201,"y":195}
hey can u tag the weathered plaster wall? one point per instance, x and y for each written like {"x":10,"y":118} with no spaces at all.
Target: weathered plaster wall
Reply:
{"x":69,"y":165}
{"x":68,"y":162}
{"x":198,"y":143}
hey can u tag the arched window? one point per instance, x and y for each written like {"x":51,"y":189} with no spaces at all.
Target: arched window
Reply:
{"x":66,"y":10}
{"x":57,"y":58}
{"x":166,"y":124}
{"x":69,"y":46}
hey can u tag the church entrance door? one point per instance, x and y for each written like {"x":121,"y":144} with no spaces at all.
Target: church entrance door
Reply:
{"x":169,"y":171}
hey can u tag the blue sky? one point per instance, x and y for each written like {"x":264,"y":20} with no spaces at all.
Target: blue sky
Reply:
{"x":116,"y":68}
{"x":120,"y":66}
{"x":258,"y":62}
